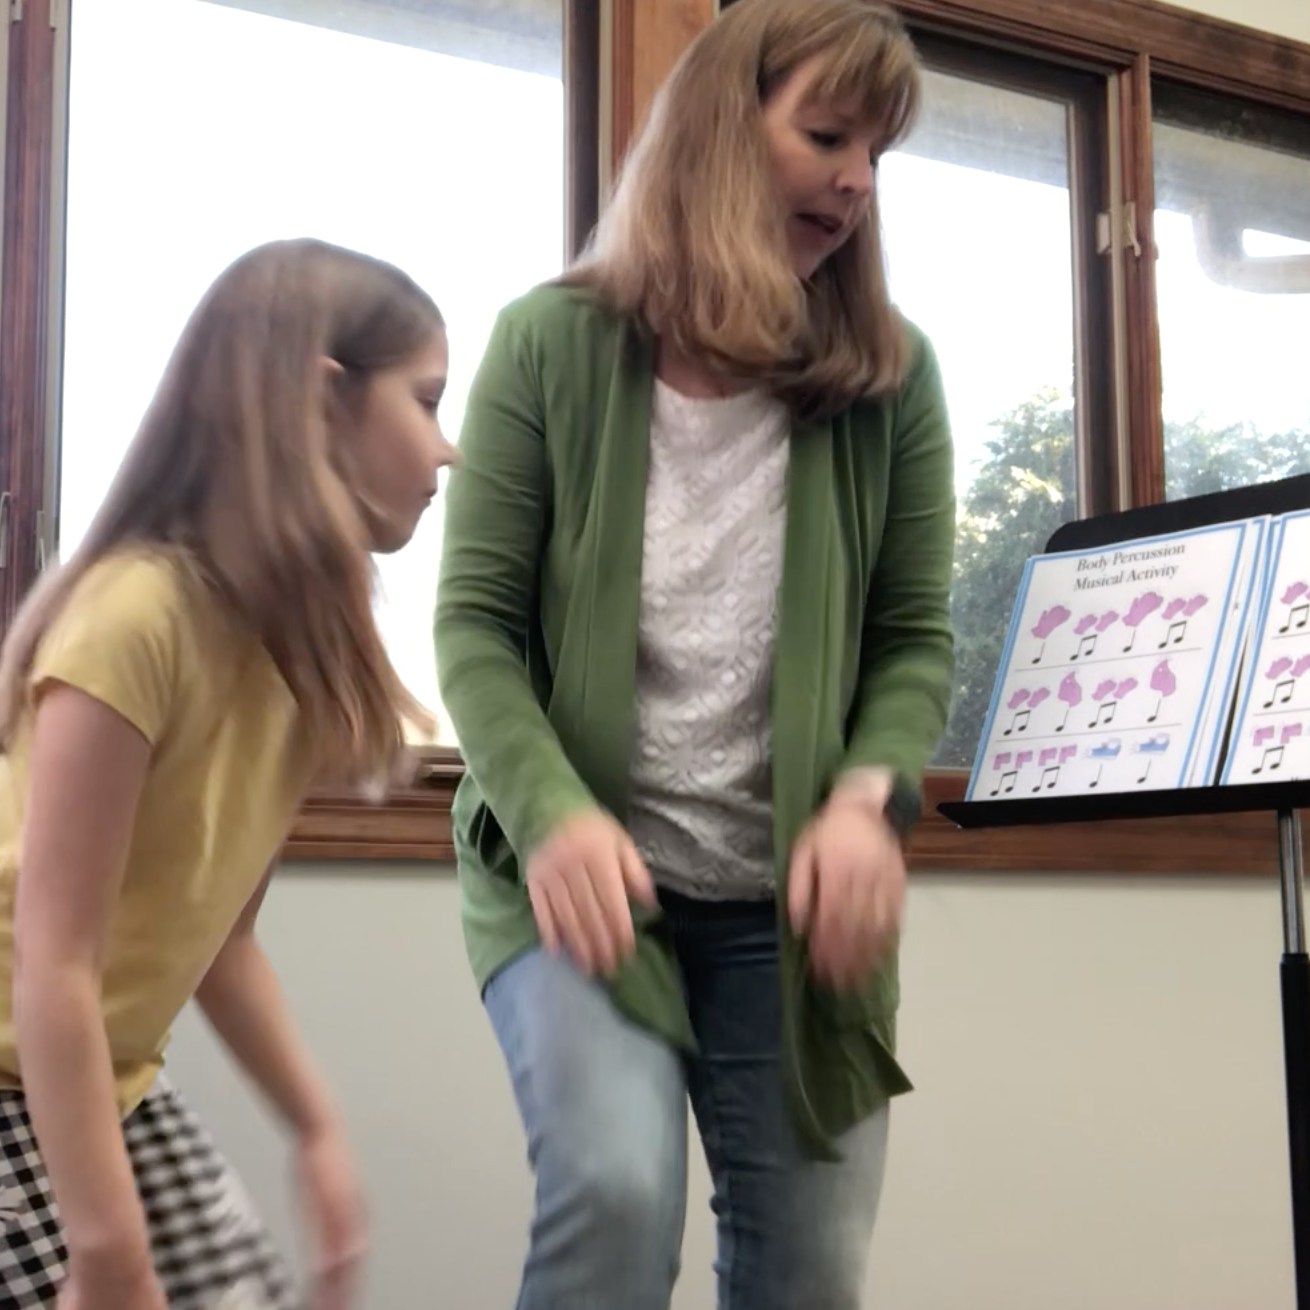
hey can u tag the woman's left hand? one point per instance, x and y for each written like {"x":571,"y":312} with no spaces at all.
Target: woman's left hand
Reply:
{"x":846,"y":890}
{"x":333,"y":1209}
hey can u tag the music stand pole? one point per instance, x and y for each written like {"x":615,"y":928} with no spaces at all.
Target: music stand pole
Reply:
{"x":1295,"y":979}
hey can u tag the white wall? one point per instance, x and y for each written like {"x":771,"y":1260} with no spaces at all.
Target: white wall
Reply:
{"x":1290,"y":18}
{"x":1099,"y":1120}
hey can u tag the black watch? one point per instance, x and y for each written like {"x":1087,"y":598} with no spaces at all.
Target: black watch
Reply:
{"x":903,"y":806}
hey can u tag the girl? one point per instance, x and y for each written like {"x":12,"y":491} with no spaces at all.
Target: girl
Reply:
{"x":166,"y":697}
{"x":710,"y":476}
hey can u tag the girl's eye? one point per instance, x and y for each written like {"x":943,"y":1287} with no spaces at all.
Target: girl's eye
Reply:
{"x":429,"y":398}
{"x":826,"y":140}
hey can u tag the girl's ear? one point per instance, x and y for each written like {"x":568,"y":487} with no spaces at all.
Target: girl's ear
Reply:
{"x":334,"y":389}
{"x":334,"y":374}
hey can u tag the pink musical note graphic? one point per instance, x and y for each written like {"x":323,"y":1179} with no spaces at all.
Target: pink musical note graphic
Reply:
{"x":1050,"y":620}
{"x":1051,"y":759}
{"x":1087,"y":638}
{"x":1272,"y":758}
{"x":1177,"y":629}
{"x":1015,"y":704}
{"x":1071,"y":694}
{"x":1297,"y":599}
{"x":1046,"y":761}
{"x":1282,"y":685}
{"x":999,"y":763}
{"x":1273,"y":752}
{"x":1039,"y":697}
{"x":1285,"y":685}
{"x":1103,"y":689}
{"x":1118,"y":690}
{"x":1141,"y":608}
{"x":1165,"y":682}
{"x":1170,"y":616}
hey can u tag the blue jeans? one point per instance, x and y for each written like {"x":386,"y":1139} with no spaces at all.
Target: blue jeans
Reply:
{"x":604,"y":1106}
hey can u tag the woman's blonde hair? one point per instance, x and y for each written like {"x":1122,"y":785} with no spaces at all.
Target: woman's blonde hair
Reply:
{"x":693,"y":240}
{"x":238,"y":460}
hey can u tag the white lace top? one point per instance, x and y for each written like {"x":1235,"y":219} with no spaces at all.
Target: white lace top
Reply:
{"x":711,"y":573}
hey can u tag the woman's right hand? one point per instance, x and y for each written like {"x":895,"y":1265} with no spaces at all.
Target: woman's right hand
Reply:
{"x":580,"y":879}
{"x":135,"y":1288}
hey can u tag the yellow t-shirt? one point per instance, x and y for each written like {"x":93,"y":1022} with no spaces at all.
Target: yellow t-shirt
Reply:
{"x":146,"y":635}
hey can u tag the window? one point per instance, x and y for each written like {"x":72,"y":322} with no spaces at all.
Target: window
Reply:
{"x":1232,"y":224}
{"x":1060,"y":147}
{"x":986,"y":225}
{"x":430,"y":135}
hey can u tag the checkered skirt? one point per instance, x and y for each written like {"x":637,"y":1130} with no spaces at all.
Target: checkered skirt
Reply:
{"x":210,"y":1250}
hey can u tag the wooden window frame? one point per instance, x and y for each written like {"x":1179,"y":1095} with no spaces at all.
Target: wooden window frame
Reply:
{"x":616,"y":54}
{"x":1132,"y":42}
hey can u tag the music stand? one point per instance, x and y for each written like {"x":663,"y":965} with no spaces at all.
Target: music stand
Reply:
{"x":1281,"y":799}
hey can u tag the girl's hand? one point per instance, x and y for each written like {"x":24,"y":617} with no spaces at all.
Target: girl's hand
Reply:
{"x":846,"y":890}
{"x":332,"y":1207}
{"x":580,"y":879}
{"x":131,"y":1288}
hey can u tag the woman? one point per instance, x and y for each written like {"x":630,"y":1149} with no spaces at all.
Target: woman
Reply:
{"x":693,"y":634}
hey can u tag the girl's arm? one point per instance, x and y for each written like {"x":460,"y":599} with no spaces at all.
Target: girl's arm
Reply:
{"x":87,"y":767}
{"x":242,"y":1000}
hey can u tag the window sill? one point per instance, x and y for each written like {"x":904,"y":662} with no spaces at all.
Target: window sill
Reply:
{"x":414,"y":825}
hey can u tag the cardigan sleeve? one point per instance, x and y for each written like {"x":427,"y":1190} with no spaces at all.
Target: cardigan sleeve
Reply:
{"x":907,"y":650}
{"x":496,"y":512}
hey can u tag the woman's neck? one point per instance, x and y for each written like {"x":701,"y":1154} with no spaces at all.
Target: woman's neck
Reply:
{"x":690,"y":378}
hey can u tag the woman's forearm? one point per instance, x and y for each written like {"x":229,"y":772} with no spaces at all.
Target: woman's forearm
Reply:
{"x":243,"y":1001}
{"x":68,"y":1080}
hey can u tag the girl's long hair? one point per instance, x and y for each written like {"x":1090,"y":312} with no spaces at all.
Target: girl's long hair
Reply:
{"x":693,"y":240}
{"x":239,"y":461}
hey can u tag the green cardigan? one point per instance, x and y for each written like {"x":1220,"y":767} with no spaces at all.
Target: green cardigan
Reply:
{"x":536,"y":645}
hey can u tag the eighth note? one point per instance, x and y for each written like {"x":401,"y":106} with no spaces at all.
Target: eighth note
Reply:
{"x":1299,"y":607}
